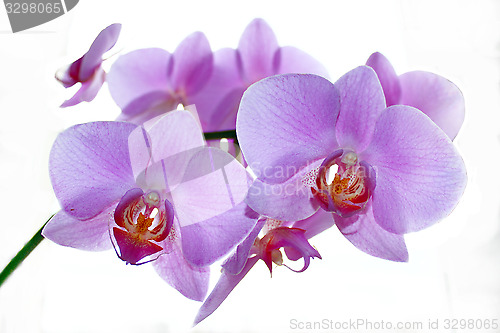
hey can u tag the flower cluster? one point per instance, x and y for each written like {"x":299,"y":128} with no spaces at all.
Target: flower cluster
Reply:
{"x":371,"y":153}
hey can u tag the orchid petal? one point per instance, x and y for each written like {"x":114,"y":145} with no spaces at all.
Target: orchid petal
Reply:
{"x":88,"y":91}
{"x":387,"y":76}
{"x":257,"y":48}
{"x":65,"y":76}
{"x":130,"y":198}
{"x":208,"y":241}
{"x":227,"y":282}
{"x":142,"y":117}
{"x":133,"y":249}
{"x":162,"y":154}
{"x":157,"y":177}
{"x":293,"y":60}
{"x":90,"y":167}
{"x":229,"y":105}
{"x":285,"y":122}
{"x":140,"y":150}
{"x":89,"y":235}
{"x":175,"y":134}
{"x":138,"y":80}
{"x":420,"y":174}
{"x":291,"y":200}
{"x":213,"y":183}
{"x":236,"y":262}
{"x":316,"y":223}
{"x":148,"y":106}
{"x":192,"y":64}
{"x":103,"y":43}
{"x":218,"y":101}
{"x":189,"y":280}
{"x":435,"y":96}
{"x":293,"y":241}
{"x":363,"y":232}
{"x":361,"y":102}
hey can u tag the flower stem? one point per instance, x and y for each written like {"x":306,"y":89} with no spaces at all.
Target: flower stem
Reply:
{"x":21,"y":255}
{"x":231,"y":134}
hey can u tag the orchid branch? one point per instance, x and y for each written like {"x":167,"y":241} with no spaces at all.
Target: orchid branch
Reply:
{"x":22,"y":254}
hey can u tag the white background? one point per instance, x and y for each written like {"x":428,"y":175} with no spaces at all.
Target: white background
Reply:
{"x":454,"y":268}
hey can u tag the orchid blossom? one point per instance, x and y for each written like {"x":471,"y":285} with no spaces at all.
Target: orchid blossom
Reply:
{"x":292,"y":237}
{"x":437,"y":97}
{"x":154,"y":193}
{"x":146,"y":83}
{"x":337,"y":147}
{"x":258,"y":56}
{"x":87,"y":70}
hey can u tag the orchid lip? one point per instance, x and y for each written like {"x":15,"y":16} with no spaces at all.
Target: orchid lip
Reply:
{"x":347,"y":192}
{"x":292,"y":240}
{"x":142,"y":222}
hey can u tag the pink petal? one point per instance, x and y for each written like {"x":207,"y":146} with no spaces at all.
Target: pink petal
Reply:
{"x":236,"y":262}
{"x":257,"y":48}
{"x":218,"y":101}
{"x":88,"y":91}
{"x":291,"y":200}
{"x":160,"y":155}
{"x":208,"y":241}
{"x":285,"y":122}
{"x":364,"y":232}
{"x":362,"y":100}
{"x":103,"y":43}
{"x":133,"y":249}
{"x":229,"y":105}
{"x":213,"y":183}
{"x":157,"y":177}
{"x":139,"y":146}
{"x":174,"y":134}
{"x":387,"y":76}
{"x":138,"y":80}
{"x":65,"y":75}
{"x":90,"y":167}
{"x":89,"y":235}
{"x":189,"y":280}
{"x":420,"y":175}
{"x":227,"y":282}
{"x":293,"y":241}
{"x":316,"y":223}
{"x":435,"y":96}
{"x":146,"y":113}
{"x":192,"y":64}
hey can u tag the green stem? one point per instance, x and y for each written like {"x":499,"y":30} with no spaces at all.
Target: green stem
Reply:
{"x":231,"y":134}
{"x":21,"y":255}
